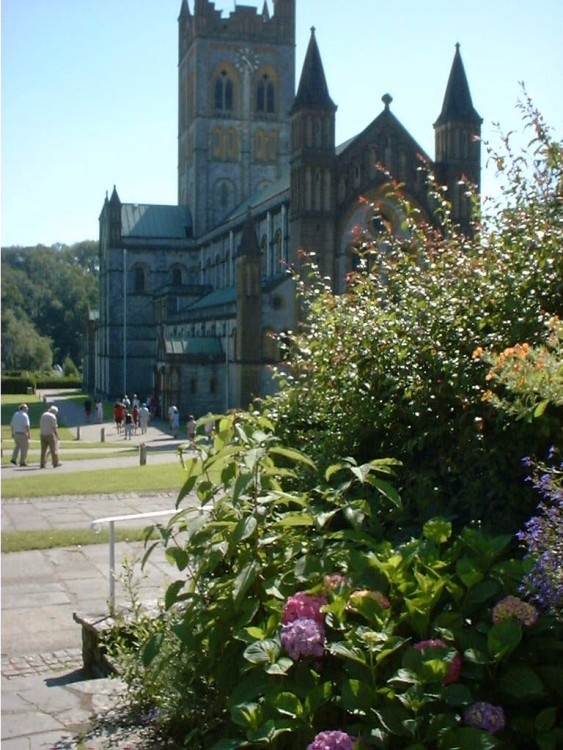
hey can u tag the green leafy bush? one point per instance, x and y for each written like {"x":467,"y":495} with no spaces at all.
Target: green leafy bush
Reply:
{"x":387,"y":369}
{"x":292,"y":615}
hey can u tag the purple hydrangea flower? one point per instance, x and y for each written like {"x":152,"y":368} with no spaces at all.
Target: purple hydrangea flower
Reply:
{"x":511,"y":607}
{"x":332,"y":740}
{"x":303,"y":637}
{"x":485,"y":716}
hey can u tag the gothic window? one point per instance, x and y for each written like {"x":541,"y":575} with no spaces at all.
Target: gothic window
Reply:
{"x":265,"y":95}
{"x":176,"y":276}
{"x":224,"y":92}
{"x":218,"y":144}
{"x":139,"y":279}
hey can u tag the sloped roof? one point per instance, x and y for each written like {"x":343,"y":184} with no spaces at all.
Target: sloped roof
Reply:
{"x":196,"y":345}
{"x":155,"y":222}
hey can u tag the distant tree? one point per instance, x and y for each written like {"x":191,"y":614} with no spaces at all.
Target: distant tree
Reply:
{"x":22,"y":347}
{"x":53,"y":288}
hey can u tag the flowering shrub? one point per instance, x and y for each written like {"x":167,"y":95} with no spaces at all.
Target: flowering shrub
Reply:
{"x":485,"y":716}
{"x":293,"y":621}
{"x":303,"y":637}
{"x":543,"y":539}
{"x":332,"y":741}
{"x":513,"y":607}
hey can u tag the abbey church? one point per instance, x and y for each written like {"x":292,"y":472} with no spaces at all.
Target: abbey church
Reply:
{"x":193,"y":296}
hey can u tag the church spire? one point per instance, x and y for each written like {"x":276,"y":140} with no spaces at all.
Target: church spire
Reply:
{"x":313,"y":90}
{"x":457,"y":100}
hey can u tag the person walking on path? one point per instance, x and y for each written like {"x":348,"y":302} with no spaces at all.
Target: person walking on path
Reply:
{"x":128,"y":429}
{"x":191,"y":429}
{"x":49,"y":436}
{"x":144,"y":416}
{"x":21,"y":433}
{"x":99,"y":411}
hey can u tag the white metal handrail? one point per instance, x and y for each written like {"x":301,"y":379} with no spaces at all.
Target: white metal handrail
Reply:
{"x":97,"y":525}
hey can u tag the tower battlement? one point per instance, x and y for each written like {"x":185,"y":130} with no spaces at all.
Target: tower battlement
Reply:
{"x":244,"y":23}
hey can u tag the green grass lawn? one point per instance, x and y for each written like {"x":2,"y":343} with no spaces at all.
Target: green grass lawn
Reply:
{"x":163,"y":477}
{"x":19,"y":541}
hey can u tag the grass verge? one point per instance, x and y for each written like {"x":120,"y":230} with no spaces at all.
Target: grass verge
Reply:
{"x":162,"y":477}
{"x":20,"y":541}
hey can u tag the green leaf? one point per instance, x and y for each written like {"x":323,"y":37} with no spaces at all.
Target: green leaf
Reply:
{"x":521,"y":681}
{"x":468,"y":571}
{"x":177,"y":557}
{"x":244,"y":580}
{"x":541,"y":407}
{"x":467,"y":738}
{"x":244,"y":528}
{"x":151,"y":648}
{"x":545,"y":720}
{"x":279,"y":667}
{"x":387,"y":490}
{"x":289,"y":704}
{"x":262,"y":652}
{"x":171,"y":595}
{"x":438,"y":530}
{"x":295,"y":519}
{"x":293,"y":455}
{"x":503,"y":638}
{"x":247,"y":715}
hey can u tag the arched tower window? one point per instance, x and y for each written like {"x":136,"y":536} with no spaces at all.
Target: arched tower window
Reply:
{"x":176,"y":276}
{"x":265,"y":95}
{"x":224,"y":92}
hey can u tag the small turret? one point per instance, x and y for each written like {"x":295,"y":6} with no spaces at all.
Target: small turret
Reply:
{"x":458,"y":143}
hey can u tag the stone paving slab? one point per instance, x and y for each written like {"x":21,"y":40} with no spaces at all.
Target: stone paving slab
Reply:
{"x":46,"y":703}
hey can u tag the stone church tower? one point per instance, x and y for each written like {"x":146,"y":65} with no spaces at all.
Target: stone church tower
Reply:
{"x":236,"y":84}
{"x":196,"y":297}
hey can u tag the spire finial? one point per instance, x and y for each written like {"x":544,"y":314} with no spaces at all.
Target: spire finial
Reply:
{"x":387,"y":99}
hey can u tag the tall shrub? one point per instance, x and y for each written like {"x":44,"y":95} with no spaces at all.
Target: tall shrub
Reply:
{"x":386,"y":368}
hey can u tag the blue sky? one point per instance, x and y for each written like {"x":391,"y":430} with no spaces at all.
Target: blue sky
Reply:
{"x":89,"y":89}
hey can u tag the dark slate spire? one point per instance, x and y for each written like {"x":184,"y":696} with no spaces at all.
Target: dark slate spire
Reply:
{"x":457,"y":100}
{"x":313,"y":90}
{"x":266,"y":12}
{"x":185,"y":9}
{"x":115,"y":198}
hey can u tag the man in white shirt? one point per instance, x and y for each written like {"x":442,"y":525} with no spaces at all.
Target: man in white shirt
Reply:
{"x":20,"y":433}
{"x":49,"y":436}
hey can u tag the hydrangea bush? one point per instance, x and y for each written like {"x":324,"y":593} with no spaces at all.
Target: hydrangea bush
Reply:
{"x":294,"y":623}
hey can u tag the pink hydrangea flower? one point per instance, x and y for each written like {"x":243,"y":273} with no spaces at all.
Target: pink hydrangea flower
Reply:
{"x":513,"y":607}
{"x":303,"y":637}
{"x":455,"y":665}
{"x":335,"y":581}
{"x":332,"y":740}
{"x":303,"y":605}
{"x":485,"y":716}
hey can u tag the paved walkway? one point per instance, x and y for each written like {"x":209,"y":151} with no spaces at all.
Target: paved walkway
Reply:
{"x":46,"y":703}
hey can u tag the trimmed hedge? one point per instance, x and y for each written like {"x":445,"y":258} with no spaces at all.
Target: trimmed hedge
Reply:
{"x":28,"y":382}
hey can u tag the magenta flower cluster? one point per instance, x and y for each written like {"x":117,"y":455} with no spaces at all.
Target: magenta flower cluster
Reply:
{"x":485,"y":716}
{"x":303,"y":605}
{"x":332,"y":740}
{"x":455,"y":665}
{"x":511,"y":607}
{"x":303,"y":632}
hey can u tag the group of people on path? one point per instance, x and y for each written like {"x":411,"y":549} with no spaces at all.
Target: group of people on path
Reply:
{"x":131,"y":416}
{"x":48,"y":435}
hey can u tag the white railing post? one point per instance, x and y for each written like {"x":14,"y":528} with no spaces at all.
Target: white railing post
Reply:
{"x":112,"y":567}
{"x":110,"y":520}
